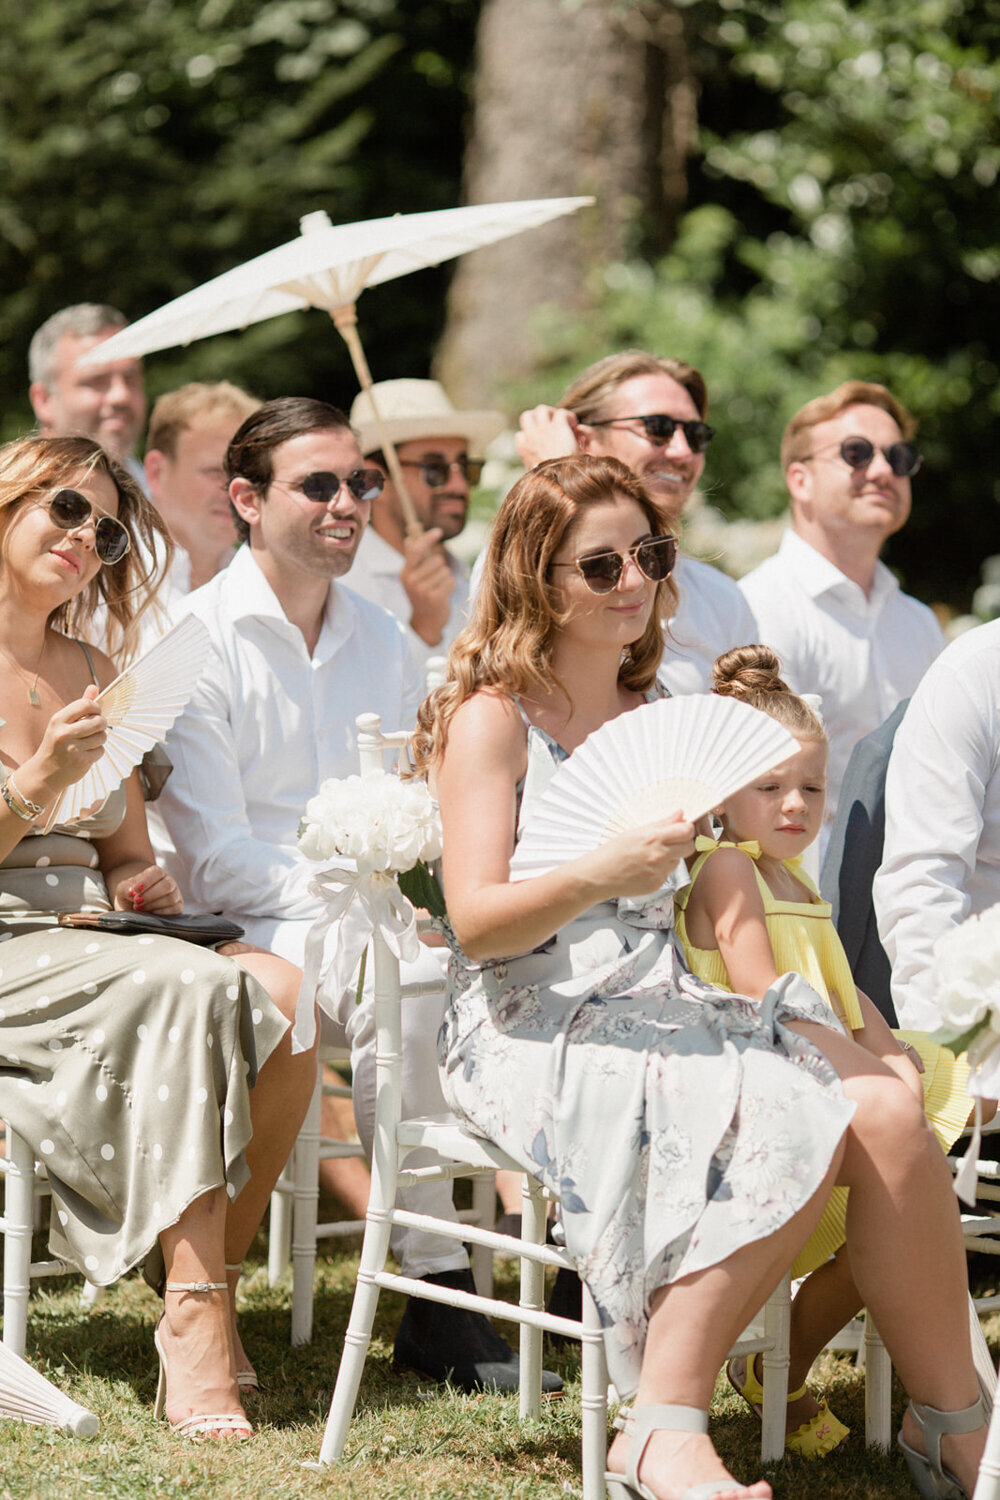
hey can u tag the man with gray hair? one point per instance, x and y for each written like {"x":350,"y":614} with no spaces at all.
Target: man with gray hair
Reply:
{"x":104,"y":402}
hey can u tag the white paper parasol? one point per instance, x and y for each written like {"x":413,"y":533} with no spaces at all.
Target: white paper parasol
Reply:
{"x":328,"y":266}
{"x":139,"y":706}
{"x":29,"y":1397}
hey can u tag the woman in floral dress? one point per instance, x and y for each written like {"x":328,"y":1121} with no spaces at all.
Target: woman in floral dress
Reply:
{"x":691,"y":1135}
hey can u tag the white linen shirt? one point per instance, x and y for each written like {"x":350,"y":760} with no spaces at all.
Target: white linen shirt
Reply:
{"x":712,"y":617}
{"x":860,"y":654}
{"x":941,"y":858}
{"x":375,"y":576}
{"x":266,"y":724}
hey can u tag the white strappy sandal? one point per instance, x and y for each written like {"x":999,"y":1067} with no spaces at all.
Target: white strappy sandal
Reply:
{"x":247,"y":1380}
{"x":197,"y":1427}
{"x":641,"y":1422}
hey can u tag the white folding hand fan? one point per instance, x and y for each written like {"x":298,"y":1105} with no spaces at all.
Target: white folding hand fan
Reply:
{"x":139,"y":706}
{"x":684,"y":754}
{"x":28,"y":1396}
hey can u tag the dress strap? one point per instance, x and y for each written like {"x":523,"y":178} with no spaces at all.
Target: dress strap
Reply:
{"x":90,"y":662}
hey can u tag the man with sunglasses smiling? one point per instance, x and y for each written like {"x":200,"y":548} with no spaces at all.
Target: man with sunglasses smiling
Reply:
{"x":418,"y":578}
{"x":294,"y":658}
{"x":650,"y":412}
{"x":833,"y":612}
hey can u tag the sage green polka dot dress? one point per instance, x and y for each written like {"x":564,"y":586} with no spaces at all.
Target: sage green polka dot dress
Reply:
{"x":126,"y":1062}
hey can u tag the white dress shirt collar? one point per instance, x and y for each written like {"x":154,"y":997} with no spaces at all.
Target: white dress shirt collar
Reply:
{"x":817,"y":576}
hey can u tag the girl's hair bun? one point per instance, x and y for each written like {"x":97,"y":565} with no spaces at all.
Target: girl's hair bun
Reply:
{"x":753,"y":674}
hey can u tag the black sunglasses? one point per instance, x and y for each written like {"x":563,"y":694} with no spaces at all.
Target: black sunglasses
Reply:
{"x":69,"y":510}
{"x":660,"y":428}
{"x":858,"y":452}
{"x":654,"y":556}
{"x":321,"y":488}
{"x":436,"y":472}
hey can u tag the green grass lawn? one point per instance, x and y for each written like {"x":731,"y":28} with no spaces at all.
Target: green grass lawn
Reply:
{"x":410,"y":1439}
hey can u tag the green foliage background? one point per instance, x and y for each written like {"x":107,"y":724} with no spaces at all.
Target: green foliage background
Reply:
{"x":843,"y":216}
{"x":150,"y":144}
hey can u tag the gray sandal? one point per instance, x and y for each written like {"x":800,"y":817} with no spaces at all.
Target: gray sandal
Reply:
{"x":931,"y":1478}
{"x":642,"y":1422}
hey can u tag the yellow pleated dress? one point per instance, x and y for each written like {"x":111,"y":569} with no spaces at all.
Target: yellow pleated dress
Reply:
{"x":804,"y":939}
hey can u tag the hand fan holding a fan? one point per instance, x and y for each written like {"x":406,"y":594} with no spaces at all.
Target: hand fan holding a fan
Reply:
{"x":139,"y":707}
{"x":679,"y":754}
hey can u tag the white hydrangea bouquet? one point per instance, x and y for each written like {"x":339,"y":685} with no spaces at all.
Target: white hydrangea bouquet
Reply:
{"x":966,"y":977}
{"x":389,"y":830}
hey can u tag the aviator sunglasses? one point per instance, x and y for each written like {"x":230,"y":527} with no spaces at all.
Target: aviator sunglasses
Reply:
{"x":321,"y":488}
{"x":436,"y":472}
{"x":659,"y":428}
{"x":858,"y":452}
{"x":654,"y":556}
{"x":69,"y":510}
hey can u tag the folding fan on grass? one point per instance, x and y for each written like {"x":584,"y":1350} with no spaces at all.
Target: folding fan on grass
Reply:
{"x":139,"y":706}
{"x":29,"y":1397}
{"x":678,"y":754}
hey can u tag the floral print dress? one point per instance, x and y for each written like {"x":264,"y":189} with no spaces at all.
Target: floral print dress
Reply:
{"x":674,"y":1121}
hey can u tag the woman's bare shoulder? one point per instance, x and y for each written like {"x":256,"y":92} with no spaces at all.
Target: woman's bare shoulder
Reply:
{"x":78,"y":657}
{"x":489,"y":725}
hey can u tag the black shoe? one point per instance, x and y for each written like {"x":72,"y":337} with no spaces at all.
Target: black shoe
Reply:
{"x":448,"y":1343}
{"x":565,"y":1301}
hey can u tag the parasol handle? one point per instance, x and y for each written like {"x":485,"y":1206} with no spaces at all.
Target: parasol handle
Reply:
{"x":345,"y":318}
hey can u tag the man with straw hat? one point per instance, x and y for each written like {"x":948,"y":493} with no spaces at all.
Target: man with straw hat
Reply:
{"x":413,"y":574}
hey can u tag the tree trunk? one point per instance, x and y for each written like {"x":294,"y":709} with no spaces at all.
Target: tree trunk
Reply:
{"x":571,"y":97}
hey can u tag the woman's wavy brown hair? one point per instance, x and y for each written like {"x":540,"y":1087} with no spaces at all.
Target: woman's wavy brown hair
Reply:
{"x":508,"y":643}
{"x":753,"y":674}
{"x":30,"y":469}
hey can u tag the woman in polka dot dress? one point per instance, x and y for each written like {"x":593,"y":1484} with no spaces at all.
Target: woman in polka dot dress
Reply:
{"x":153,"y":1078}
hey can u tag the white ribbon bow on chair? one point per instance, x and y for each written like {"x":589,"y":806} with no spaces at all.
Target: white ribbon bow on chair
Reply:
{"x":366,"y":904}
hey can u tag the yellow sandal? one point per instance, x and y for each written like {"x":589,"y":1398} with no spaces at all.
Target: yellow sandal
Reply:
{"x":814,"y":1439}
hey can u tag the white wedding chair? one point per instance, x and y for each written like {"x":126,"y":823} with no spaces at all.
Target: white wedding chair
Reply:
{"x":469,"y":1155}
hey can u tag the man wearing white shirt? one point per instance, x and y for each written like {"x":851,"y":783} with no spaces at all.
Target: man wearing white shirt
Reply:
{"x":417,"y":578}
{"x":835,"y":615}
{"x":650,"y":413}
{"x":189,"y":431}
{"x":941,"y":857}
{"x":103,"y":402}
{"x":294,"y":657}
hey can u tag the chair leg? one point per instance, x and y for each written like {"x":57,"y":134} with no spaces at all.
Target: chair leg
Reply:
{"x":484,"y":1198}
{"x":305,"y":1203}
{"x":533,"y":1216}
{"x":878,"y":1388}
{"x":19,"y":1194}
{"x":279,"y":1229}
{"x":594,"y":1401}
{"x":777,"y":1327}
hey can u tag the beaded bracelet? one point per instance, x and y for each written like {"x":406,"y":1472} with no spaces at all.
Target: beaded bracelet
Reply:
{"x":18,"y":803}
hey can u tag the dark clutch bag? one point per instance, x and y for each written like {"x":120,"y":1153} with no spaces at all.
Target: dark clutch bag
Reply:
{"x":206,"y":931}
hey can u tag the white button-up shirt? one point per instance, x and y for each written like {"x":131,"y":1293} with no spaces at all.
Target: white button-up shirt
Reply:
{"x":375,"y":575}
{"x":941,"y":859}
{"x":861,"y":654}
{"x":266,"y":724}
{"x":712,"y":617}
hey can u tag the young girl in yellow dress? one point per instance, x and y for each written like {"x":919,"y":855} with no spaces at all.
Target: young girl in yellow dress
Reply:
{"x":751,"y":913}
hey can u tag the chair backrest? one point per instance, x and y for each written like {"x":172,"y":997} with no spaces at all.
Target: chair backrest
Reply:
{"x":373,"y":743}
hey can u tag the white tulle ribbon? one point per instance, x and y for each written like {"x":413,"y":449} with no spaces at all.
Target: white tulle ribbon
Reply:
{"x":364,"y":905}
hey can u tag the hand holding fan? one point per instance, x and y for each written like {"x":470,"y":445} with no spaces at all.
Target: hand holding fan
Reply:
{"x":684,"y":753}
{"x":139,"y":706}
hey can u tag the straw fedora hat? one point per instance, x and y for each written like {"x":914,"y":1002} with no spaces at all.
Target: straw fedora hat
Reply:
{"x":420,"y":409}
